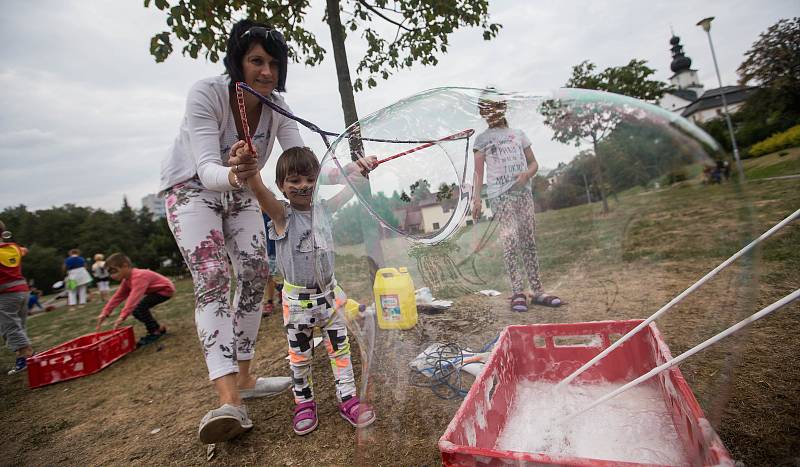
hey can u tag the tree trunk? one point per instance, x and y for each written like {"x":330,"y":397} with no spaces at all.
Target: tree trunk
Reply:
{"x":370,"y":227}
{"x":342,"y":68}
{"x":586,"y":186}
{"x":600,"y":179}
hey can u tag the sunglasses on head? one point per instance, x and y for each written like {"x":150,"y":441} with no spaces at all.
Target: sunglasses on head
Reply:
{"x":266,"y":33}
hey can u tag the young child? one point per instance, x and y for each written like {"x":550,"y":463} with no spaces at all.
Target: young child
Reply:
{"x":142,"y":289}
{"x":510,"y":165}
{"x":100,"y":274}
{"x":307,"y":303}
{"x":33,"y":299}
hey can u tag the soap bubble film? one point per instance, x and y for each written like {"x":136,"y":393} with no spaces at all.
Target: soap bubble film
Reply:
{"x":445,"y":243}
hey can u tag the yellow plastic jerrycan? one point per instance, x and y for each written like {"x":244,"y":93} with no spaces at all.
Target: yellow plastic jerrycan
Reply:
{"x":352,"y":309}
{"x":395,"y":304}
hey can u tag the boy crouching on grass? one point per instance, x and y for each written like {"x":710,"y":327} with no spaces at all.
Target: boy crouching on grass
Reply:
{"x":143,"y":290}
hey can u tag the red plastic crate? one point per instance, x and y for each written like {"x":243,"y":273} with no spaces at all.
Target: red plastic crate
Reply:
{"x":551,"y":352}
{"x":80,"y":357}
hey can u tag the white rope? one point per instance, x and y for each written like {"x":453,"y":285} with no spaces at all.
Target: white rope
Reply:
{"x":678,"y":299}
{"x":752,"y":318}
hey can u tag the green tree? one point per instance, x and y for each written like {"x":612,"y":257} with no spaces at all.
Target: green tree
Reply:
{"x":50,"y":233}
{"x":420,"y":190}
{"x":447,"y":192}
{"x":349,"y":221}
{"x":774,"y":59}
{"x":42,"y":264}
{"x":419,"y":32}
{"x":581,"y":121}
{"x":773,"y":62}
{"x":578,"y":122}
{"x":631,"y":80}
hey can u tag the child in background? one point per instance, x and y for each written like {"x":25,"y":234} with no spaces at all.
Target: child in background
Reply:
{"x":269,"y":290}
{"x":510,"y":165}
{"x":33,"y":298}
{"x":306,"y":302}
{"x":143,"y":289}
{"x":13,"y":301}
{"x":101,"y":276}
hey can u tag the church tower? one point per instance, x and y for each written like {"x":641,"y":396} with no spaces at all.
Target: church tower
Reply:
{"x":684,"y":78}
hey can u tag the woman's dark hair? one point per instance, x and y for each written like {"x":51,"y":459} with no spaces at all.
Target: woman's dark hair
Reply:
{"x":239,"y":44}
{"x":296,"y":161}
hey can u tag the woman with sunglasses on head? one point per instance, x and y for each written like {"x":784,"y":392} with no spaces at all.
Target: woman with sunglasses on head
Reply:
{"x":216,"y":220}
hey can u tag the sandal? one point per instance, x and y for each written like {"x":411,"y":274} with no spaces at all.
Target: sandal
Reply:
{"x":519,"y":303}
{"x":357,"y":413}
{"x":305,"y":418}
{"x":268,"y":308}
{"x":545,"y":299}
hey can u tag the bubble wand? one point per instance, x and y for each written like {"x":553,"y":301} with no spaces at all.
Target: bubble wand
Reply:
{"x":243,"y":117}
{"x":460,"y":135}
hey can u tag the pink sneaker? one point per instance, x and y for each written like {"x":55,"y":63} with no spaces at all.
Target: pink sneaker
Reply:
{"x":305,"y":418}
{"x":358,"y":414}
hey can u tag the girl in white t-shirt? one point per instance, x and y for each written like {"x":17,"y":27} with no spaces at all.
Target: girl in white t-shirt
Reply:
{"x":509,"y":166}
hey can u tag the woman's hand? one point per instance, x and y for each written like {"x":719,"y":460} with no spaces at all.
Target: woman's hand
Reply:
{"x":242,"y":162}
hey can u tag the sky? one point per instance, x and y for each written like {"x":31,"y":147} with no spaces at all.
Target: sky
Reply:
{"x":87,"y":114}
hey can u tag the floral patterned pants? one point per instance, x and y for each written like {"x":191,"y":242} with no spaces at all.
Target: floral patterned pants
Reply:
{"x":221,"y":235}
{"x":517,"y":228}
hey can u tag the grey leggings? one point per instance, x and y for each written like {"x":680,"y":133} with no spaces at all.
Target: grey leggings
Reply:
{"x":13,"y":314}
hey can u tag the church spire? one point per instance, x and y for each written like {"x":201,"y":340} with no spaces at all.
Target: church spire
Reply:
{"x":680,"y":62}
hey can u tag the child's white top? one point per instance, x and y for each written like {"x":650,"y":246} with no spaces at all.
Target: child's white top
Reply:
{"x":504,"y":149}
{"x":208,"y":131}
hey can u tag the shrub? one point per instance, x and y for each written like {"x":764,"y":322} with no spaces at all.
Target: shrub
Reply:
{"x":778,"y":141}
{"x":676,"y":176}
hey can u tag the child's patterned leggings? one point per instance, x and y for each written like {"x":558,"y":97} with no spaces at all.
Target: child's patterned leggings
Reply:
{"x":216,"y":232}
{"x":517,"y":225}
{"x":303,"y":310}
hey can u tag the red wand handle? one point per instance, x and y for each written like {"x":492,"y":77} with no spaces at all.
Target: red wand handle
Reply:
{"x":461,"y":134}
{"x":243,"y":117}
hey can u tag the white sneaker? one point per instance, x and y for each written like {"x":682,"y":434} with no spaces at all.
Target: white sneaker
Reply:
{"x":266,"y":387}
{"x":224,"y":423}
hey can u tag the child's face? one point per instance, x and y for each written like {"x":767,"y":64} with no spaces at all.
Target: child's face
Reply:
{"x":119,"y":273}
{"x":493,"y":112}
{"x":298,"y":189}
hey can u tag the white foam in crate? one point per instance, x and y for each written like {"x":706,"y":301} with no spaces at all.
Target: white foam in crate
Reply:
{"x":635,"y":426}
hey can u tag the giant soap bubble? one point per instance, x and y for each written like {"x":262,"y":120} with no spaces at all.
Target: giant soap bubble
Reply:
{"x":617,"y":200}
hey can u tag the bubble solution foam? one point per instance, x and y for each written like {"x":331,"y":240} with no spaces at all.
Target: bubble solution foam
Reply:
{"x":634,"y":427}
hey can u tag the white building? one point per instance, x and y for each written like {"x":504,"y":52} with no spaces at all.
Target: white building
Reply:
{"x":155,"y":205}
{"x":688,"y":97}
